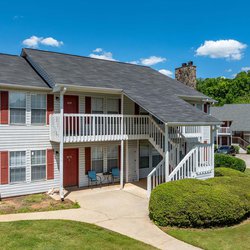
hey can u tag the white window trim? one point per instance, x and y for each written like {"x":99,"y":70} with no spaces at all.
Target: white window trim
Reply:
{"x":37,"y":124}
{"x":9,"y":167}
{"x":25,"y":120}
{"x":46,"y":178}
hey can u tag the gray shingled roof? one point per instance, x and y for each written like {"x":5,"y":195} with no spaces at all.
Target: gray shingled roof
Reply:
{"x":152,"y":90}
{"x":15,"y":70}
{"x":239,"y":114}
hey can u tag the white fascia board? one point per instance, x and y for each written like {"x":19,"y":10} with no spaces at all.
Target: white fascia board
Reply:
{"x":15,"y":86}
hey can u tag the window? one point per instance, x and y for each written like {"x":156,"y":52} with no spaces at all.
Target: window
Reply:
{"x":17,"y":166}
{"x":97,"y":105}
{"x":113,"y":106}
{"x":17,"y":108}
{"x":142,"y":111}
{"x":112,"y":157}
{"x":199,"y":106}
{"x":38,"y":165}
{"x":97,"y":159}
{"x":156,"y":157}
{"x":38,"y":109}
{"x":144,"y":155}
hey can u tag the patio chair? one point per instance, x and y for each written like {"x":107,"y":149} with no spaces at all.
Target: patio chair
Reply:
{"x":115,"y":174}
{"x":93,"y":178}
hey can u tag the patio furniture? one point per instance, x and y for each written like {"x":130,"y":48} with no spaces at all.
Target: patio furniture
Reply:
{"x":107,"y":178}
{"x":115,"y":174}
{"x":93,"y":178}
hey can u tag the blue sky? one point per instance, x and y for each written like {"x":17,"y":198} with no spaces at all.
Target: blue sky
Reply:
{"x":165,"y":33}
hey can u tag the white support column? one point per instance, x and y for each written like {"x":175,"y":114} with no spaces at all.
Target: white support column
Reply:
{"x":61,"y":143}
{"x":122,"y":146}
{"x":212,"y":134}
{"x":166,"y":153}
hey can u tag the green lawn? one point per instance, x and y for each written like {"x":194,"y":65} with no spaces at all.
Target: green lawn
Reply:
{"x":231,"y":238}
{"x":247,"y":171}
{"x":62,"y":234}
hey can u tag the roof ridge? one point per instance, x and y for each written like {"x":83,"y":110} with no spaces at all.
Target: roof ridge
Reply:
{"x":6,"y":54}
{"x":88,"y":57}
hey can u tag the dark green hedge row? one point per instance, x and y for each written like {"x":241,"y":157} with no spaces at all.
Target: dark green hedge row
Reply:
{"x":219,"y":201}
{"x":228,"y":161}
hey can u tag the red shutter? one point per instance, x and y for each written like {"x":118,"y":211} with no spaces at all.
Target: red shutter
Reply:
{"x":205,"y":107}
{"x":120,"y":106}
{"x":119,"y":156}
{"x":4,"y":167}
{"x":88,"y":105}
{"x":137,"y":109}
{"x":4,"y":112}
{"x":50,"y":164}
{"x":87,"y":159}
{"x":50,"y":106}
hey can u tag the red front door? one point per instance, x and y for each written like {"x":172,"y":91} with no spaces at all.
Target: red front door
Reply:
{"x":70,"y":167}
{"x":71,"y":106}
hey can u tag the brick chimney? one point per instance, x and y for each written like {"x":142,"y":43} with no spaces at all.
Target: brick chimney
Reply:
{"x":186,"y":74}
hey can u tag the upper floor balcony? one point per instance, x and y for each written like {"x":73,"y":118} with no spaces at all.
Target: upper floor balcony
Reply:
{"x":224,"y":131}
{"x":108,"y":127}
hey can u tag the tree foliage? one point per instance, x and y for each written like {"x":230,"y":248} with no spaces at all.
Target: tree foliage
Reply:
{"x":227,"y":91}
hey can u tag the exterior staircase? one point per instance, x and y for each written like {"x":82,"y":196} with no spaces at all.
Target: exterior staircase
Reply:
{"x":196,"y":163}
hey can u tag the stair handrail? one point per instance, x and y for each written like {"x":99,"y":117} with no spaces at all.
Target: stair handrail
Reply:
{"x":183,"y":161}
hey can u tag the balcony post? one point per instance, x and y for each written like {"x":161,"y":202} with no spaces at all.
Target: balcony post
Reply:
{"x":122,"y":146}
{"x":61,"y":143}
{"x":212,"y":135}
{"x":166,"y":154}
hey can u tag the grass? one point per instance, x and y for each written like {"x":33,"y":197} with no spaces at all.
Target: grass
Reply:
{"x":229,"y":238}
{"x":62,"y":234}
{"x":34,"y":203}
{"x":247,"y":171}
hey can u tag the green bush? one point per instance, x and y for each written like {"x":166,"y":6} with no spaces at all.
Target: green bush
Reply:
{"x":248,"y":149}
{"x":228,"y":161}
{"x":219,"y":201}
{"x":228,"y":172}
{"x":237,"y":148}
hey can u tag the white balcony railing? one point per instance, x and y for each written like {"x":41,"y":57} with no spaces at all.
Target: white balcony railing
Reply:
{"x":108,"y":127}
{"x":224,"y":130}
{"x":191,"y":131}
{"x":99,"y":127}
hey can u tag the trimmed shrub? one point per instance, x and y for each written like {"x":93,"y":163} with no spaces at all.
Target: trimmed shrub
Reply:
{"x":228,"y":172}
{"x":228,"y":161}
{"x":248,"y":149}
{"x":237,"y":148}
{"x":219,"y":201}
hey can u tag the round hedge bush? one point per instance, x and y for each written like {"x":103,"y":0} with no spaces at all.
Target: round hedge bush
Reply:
{"x":197,"y":203}
{"x":228,"y":172}
{"x":228,"y":161}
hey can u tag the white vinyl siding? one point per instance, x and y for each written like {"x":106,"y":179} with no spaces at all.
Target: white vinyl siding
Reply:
{"x":97,"y":159}
{"x":38,"y":109}
{"x":112,"y":158}
{"x":38,"y":165}
{"x":17,"y":166}
{"x":17,"y":104}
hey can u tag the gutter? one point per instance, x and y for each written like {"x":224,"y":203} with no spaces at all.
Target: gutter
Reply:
{"x":13,"y":86}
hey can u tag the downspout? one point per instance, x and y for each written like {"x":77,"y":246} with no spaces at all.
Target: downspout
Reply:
{"x":62,"y":92}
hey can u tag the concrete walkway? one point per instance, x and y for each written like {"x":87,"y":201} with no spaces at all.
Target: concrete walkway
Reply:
{"x":123,"y":211}
{"x":245,"y":157}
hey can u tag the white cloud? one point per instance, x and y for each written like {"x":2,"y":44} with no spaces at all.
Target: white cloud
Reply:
{"x":98,"y":50}
{"x":101,"y":54}
{"x":245,"y":68}
{"x":152,"y":60}
{"x":166,"y":72}
{"x":229,"y":49}
{"x":134,"y":62}
{"x":50,"y":41}
{"x":34,"y":42}
{"x":228,"y":70}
